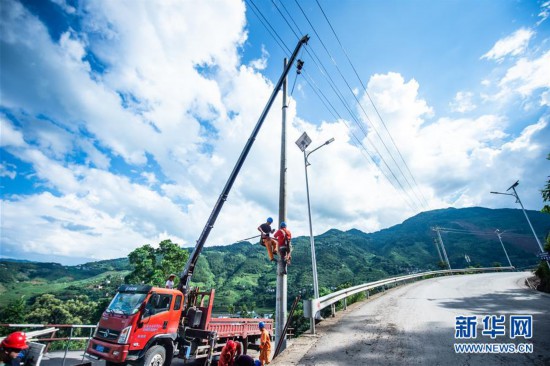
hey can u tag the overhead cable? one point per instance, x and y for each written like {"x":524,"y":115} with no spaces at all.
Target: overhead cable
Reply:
{"x":370,"y":99}
{"x":359,"y":104}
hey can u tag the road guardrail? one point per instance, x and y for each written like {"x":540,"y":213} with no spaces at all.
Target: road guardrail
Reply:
{"x":314,"y":306}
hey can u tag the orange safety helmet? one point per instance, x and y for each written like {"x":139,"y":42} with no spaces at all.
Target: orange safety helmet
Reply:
{"x":16,"y":340}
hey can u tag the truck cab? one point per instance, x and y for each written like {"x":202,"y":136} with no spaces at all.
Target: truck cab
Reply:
{"x":136,"y":318}
{"x":145,"y":325}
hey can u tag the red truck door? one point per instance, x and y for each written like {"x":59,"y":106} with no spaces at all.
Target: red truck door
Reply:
{"x":161,"y":316}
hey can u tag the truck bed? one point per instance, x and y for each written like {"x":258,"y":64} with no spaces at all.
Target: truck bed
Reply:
{"x":238,"y":327}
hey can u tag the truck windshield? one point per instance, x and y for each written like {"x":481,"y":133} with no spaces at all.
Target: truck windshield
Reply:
{"x":126,"y":303}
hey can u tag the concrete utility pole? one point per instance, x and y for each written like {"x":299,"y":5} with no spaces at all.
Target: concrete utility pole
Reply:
{"x":515,"y":194}
{"x":499,"y":234}
{"x":438,"y":250}
{"x":436,"y":229}
{"x":281,"y":296}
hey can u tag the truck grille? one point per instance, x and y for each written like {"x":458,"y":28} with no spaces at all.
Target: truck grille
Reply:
{"x":107,"y":334}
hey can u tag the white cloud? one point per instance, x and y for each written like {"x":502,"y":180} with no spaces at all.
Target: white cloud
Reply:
{"x":544,"y":12}
{"x":463,"y":102}
{"x":528,"y":75}
{"x":10,"y":135}
{"x":66,"y":7}
{"x":150,"y":178}
{"x":513,"y":45}
{"x":8,"y":170}
{"x":524,"y":142}
{"x":141,"y":151}
{"x":261,"y":63}
{"x":526,"y":78}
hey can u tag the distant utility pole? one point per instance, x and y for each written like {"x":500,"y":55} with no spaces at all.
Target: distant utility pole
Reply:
{"x":515,"y":194}
{"x":499,"y":234}
{"x":438,"y":250}
{"x":281,"y":295}
{"x":437,"y":230}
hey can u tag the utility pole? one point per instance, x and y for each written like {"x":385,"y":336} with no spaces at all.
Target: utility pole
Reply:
{"x":515,"y":194}
{"x":437,"y":229}
{"x":497,"y":231}
{"x":438,"y":250}
{"x":281,"y":295}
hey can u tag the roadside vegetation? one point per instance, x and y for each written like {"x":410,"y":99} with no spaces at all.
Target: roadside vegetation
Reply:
{"x":543,"y":272}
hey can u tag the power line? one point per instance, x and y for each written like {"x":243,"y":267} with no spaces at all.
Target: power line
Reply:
{"x":282,"y":15}
{"x":359,"y":103}
{"x":266,"y":23}
{"x":478,"y":232}
{"x":340,"y":96}
{"x":269,"y":28}
{"x":370,"y":99}
{"x":358,"y":143}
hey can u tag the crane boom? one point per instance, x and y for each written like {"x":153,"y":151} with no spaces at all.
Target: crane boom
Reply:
{"x":187,"y":273}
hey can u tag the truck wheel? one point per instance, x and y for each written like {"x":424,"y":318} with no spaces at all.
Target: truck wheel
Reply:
{"x":155,"y":356}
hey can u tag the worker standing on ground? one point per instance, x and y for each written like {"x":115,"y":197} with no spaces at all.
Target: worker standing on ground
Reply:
{"x":269,"y":243}
{"x":12,"y":347}
{"x":284,"y":237}
{"x":170,"y":281}
{"x":265,"y":345}
{"x":230,"y":351}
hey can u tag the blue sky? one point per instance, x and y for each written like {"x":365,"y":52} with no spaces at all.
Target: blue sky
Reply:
{"x":121,"y":121}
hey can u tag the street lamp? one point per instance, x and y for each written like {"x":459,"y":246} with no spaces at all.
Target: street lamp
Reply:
{"x":303,"y":142}
{"x":515,"y":194}
{"x":497,"y":231}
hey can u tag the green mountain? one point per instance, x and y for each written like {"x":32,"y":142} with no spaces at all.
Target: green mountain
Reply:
{"x":241,"y":272}
{"x":243,"y":275}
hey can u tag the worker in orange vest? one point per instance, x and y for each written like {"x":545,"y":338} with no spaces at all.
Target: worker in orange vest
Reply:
{"x":284,"y":237}
{"x":265,"y":345}
{"x":269,"y":243}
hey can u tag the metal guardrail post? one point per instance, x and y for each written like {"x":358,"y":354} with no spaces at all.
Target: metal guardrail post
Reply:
{"x":67,"y":348}
{"x":87,"y":343}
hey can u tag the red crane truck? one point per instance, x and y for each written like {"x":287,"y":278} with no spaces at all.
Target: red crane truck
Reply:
{"x":146,"y":325}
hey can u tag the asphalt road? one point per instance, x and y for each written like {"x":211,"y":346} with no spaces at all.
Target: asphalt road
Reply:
{"x":415,"y":325}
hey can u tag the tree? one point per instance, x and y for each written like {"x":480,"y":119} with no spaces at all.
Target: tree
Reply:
{"x":231,"y":309}
{"x":153,"y":266}
{"x":244,"y":311}
{"x":47,"y":309}
{"x":546,"y":193}
{"x":542,"y":271}
{"x":144,"y":261}
{"x":13,"y":313}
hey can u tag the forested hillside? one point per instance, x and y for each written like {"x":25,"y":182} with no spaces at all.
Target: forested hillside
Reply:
{"x":245,"y":279}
